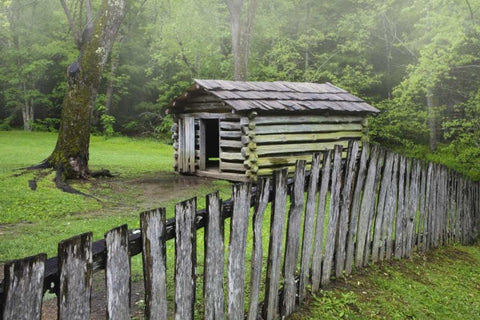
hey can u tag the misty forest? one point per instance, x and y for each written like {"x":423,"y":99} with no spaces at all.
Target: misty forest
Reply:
{"x":418,"y":61}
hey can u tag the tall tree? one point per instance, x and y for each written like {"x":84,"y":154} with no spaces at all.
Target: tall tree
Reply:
{"x":241,"y":28}
{"x":94,"y":35}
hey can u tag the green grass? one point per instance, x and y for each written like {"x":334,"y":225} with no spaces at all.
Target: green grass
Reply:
{"x":35,"y":221}
{"x":443,"y":284}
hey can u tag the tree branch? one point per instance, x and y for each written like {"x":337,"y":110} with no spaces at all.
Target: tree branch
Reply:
{"x":71,"y":22}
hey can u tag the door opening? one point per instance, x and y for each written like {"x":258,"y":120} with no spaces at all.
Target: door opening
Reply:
{"x":212,"y":144}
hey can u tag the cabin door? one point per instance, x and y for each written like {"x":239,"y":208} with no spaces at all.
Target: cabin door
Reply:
{"x":186,"y":145}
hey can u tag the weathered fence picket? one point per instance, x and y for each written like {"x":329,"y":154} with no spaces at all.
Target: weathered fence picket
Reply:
{"x":320,"y":222}
{"x":257,"y":256}
{"x":308,"y":225}
{"x":355,"y":211}
{"x":117,"y":271}
{"x":380,"y":206}
{"x":292,"y":245}
{"x":348,"y":184}
{"x":152,"y":225}
{"x":185,"y":259}
{"x":333,"y":216}
{"x":237,"y":249}
{"x":24,"y":288}
{"x":75,"y":271}
{"x":275,"y":247}
{"x":213,"y":295}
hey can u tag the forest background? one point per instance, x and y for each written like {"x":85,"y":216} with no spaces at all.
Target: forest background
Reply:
{"x":418,"y":61}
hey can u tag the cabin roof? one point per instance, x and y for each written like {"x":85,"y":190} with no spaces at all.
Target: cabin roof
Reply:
{"x":245,"y":96}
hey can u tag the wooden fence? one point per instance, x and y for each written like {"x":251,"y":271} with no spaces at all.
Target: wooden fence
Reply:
{"x":374,"y":205}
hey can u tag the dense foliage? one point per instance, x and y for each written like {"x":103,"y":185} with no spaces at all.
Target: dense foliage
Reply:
{"x":416,"y":60}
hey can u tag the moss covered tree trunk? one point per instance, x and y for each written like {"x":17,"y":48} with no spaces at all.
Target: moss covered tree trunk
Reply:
{"x":95,"y":41}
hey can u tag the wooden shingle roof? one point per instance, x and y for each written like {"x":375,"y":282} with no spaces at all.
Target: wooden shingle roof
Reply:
{"x":244,"y":96}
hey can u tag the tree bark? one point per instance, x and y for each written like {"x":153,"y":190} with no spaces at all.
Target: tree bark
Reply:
{"x":241,"y":30}
{"x":432,"y":120}
{"x":71,"y":153}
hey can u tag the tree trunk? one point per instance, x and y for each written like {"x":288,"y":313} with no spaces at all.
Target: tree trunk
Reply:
{"x":27,"y":115}
{"x":71,"y":153}
{"x":432,"y":120}
{"x":241,"y":30}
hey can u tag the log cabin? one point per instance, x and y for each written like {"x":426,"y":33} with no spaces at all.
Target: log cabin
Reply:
{"x":238,"y":131}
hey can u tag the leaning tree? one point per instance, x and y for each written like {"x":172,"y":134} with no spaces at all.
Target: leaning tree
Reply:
{"x":94,"y":33}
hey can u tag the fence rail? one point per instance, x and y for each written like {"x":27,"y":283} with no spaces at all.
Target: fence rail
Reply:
{"x":339,"y":215}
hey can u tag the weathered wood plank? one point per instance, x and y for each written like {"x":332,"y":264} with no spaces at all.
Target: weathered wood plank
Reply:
{"x":380,"y":219}
{"x":334,"y":211}
{"x":270,"y":308}
{"x":428,"y":199}
{"x":413,"y":201}
{"x":400,"y":222}
{"x":367,"y":205}
{"x":369,"y":240}
{"x":202,"y":146}
{"x":345,"y":206}
{"x":292,"y":245}
{"x":153,"y":226}
{"x":185,"y":259}
{"x":117,"y":273}
{"x":231,"y":156}
{"x":320,"y":221}
{"x":264,"y":162}
{"x":306,"y":119}
{"x":230,"y":134}
{"x":241,"y":195}
{"x":213,"y":294}
{"x":213,"y":115}
{"x":230,"y":125}
{"x":310,"y":208}
{"x":391,"y":207}
{"x":237,"y":144}
{"x":232,"y":166}
{"x":190,"y":144}
{"x":355,"y":211}
{"x":261,"y":203}
{"x":421,"y":217}
{"x":75,"y":272}
{"x":293,"y":128}
{"x":325,"y":136}
{"x":23,"y":288}
{"x":298,"y":147}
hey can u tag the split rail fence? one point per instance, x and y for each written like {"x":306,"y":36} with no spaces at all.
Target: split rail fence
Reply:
{"x":343,"y":214}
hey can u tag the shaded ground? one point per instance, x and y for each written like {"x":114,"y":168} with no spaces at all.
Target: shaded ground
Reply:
{"x":149,"y":192}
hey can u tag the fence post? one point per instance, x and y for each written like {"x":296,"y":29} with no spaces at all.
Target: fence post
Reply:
{"x":117,"y":271}
{"x":75,"y":272}
{"x":292,"y":245}
{"x":367,"y":206}
{"x":333,"y":215}
{"x":185,"y":259}
{"x":214,"y":298}
{"x":270,"y":308}
{"x":23,"y":288}
{"x":355,"y":211}
{"x":261,"y":203}
{"x":152,"y":224}
{"x":320,"y":223}
{"x":308,"y":224}
{"x":345,"y":206}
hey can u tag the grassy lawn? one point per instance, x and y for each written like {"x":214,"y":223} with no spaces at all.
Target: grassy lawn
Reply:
{"x":35,"y":221}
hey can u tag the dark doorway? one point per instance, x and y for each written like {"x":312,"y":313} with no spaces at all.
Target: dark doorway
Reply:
{"x":212,"y":144}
